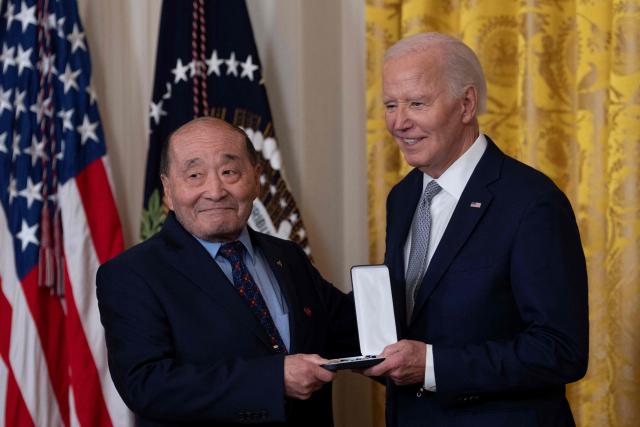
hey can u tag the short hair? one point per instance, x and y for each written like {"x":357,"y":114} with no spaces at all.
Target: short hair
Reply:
{"x":164,"y":150}
{"x":462,"y":67}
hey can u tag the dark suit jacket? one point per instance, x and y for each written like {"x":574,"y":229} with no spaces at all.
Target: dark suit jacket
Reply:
{"x":503,"y":302}
{"x":184,"y":350}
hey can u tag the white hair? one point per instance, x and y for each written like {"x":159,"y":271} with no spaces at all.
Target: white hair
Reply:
{"x":461,"y":65}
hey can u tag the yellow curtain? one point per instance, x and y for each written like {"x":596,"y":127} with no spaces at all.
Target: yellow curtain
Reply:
{"x":564,"y":96}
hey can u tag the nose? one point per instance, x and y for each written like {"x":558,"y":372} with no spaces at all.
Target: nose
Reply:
{"x":214,"y":188}
{"x":400,"y":118}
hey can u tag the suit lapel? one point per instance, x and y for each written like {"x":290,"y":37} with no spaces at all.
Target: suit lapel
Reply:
{"x":188,"y":256}
{"x":278,"y":262}
{"x":473,"y":203}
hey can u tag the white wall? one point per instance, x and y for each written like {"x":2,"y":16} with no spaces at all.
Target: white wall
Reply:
{"x":313,"y":58}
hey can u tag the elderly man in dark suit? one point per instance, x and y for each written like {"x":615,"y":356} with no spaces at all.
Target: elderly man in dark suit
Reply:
{"x":487,"y":269}
{"x":209,"y":322}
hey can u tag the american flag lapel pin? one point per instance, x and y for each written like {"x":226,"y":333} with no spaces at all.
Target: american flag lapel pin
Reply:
{"x":475,"y":204}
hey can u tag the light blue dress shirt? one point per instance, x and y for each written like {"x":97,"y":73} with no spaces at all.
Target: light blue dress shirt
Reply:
{"x":263,"y":276}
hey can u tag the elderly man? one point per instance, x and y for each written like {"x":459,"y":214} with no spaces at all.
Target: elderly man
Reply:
{"x":206,"y":321}
{"x":487,"y":269}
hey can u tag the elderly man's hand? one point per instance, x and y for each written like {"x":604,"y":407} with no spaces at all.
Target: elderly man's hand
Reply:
{"x":404,"y":363}
{"x":303,"y":375}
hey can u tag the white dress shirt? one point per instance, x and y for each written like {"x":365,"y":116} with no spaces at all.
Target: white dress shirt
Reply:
{"x":452,"y":181}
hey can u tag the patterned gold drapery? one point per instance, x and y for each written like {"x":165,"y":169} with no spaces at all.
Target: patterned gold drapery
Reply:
{"x":564,"y":96}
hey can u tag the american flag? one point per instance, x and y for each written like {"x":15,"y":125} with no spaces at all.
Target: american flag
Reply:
{"x":207,"y":64}
{"x":58,"y":222}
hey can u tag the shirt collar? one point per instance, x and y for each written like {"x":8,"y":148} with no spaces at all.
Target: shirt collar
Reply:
{"x":244,"y":238}
{"x":455,"y":178}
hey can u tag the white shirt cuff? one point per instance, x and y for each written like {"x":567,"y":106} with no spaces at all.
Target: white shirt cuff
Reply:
{"x":429,"y":371}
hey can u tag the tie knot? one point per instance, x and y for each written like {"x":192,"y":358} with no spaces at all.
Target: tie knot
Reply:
{"x":431,"y":190}
{"x":232,"y":251}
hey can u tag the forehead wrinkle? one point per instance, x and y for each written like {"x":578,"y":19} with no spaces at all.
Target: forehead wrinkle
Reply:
{"x":418,"y":85}
{"x":407,"y":67}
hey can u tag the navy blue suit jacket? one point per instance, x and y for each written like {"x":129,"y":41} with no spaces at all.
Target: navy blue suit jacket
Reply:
{"x":503,"y":301}
{"x":184,"y":350}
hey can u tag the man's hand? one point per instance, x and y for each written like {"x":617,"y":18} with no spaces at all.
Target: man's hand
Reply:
{"x":404,"y":363}
{"x":303,"y":375}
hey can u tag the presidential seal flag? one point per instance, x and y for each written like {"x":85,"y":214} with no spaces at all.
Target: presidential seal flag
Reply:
{"x":58,"y":222}
{"x":207,"y":64}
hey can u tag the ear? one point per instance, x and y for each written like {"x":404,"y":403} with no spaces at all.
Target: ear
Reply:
{"x":167,"y":190}
{"x":257,"y":171}
{"x":469,"y":102}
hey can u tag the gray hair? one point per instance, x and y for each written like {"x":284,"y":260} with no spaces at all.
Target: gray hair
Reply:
{"x":461,"y":65}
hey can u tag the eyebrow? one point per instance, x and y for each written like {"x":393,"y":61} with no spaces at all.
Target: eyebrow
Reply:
{"x":230,"y":158}
{"x":418,"y":97}
{"x":412,"y":96}
{"x":192,"y":162}
{"x":196,"y":161}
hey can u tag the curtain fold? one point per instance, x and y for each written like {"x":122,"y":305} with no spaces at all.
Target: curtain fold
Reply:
{"x":564,"y":97}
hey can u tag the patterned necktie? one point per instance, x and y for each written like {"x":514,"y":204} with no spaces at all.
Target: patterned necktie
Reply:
{"x":420,"y":235}
{"x":250,"y":293}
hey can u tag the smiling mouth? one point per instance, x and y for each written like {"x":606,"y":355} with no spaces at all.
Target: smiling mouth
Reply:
{"x":410,"y":141}
{"x":216,"y":208}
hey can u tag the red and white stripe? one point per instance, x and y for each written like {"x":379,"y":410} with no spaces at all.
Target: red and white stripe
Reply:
{"x":53,"y":359}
